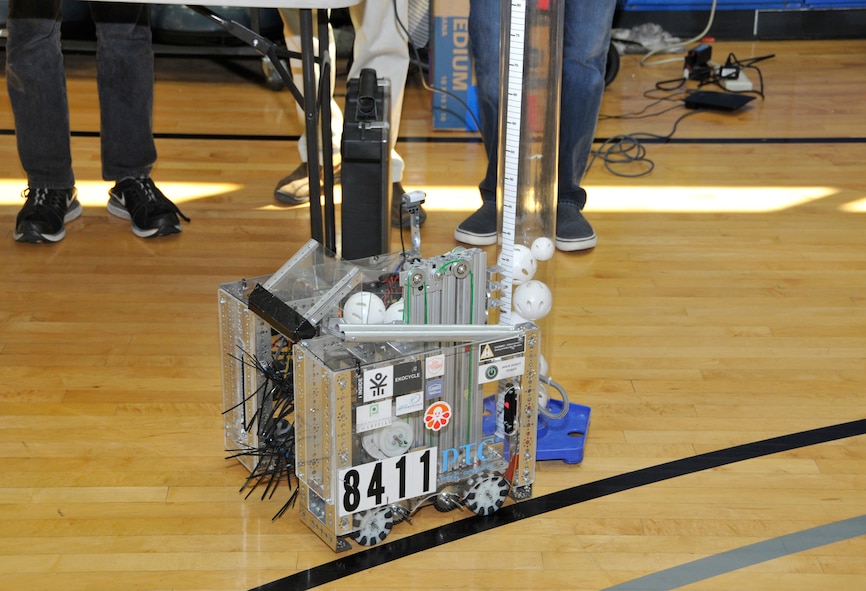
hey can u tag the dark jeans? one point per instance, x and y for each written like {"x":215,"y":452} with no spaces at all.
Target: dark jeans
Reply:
{"x":36,"y":81}
{"x":586,"y":38}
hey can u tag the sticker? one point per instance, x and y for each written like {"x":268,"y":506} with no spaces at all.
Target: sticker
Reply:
{"x":435,"y":388}
{"x":503,"y":348}
{"x":409,"y":403}
{"x":389,"y":480}
{"x":372,"y":416}
{"x":378,"y":383}
{"x":437,"y":415}
{"x":435,"y":365}
{"x":499,"y":370}
{"x":407,"y":377}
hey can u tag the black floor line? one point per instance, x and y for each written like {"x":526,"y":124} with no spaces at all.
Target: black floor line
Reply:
{"x":376,"y":556}
{"x":475,"y":139}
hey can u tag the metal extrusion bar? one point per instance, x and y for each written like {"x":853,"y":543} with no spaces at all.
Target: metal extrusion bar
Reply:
{"x":380,"y":333}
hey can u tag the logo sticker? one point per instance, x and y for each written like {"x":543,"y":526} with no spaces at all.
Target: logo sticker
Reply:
{"x":372,"y":416}
{"x":435,"y":365}
{"x":409,"y":403}
{"x":437,"y":415}
{"x":407,"y":377}
{"x":378,"y":383}
{"x":435,"y":388}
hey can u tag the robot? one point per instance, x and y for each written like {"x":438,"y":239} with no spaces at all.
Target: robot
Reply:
{"x":380,"y":386}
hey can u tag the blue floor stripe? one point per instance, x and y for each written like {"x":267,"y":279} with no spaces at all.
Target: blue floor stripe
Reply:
{"x":719,"y":564}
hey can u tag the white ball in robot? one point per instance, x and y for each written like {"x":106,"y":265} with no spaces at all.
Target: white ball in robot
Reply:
{"x":394,"y":313}
{"x":533,"y":299}
{"x":364,"y":308}
{"x":542,"y":248}
{"x":524,"y":264}
{"x":543,"y":396}
{"x":516,"y":319}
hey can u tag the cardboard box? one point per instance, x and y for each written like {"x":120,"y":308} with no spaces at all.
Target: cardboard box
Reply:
{"x":451,"y":67}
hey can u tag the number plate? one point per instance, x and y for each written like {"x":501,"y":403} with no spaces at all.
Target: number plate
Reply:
{"x":382,"y":482}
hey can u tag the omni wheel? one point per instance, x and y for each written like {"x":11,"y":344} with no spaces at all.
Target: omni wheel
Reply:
{"x":486,"y":493}
{"x":373,"y":526}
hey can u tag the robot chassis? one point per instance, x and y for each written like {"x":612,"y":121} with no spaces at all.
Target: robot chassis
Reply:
{"x":384,"y":383}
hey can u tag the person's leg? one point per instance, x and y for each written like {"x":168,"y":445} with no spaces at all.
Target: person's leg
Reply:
{"x":484,"y":30}
{"x":382,"y":44}
{"x":36,"y":83}
{"x":291,"y":32}
{"x":294,"y":189}
{"x":586,"y":42}
{"x":124,"y":75}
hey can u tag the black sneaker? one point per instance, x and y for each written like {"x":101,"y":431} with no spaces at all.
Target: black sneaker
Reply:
{"x":400,"y":218}
{"x":43,"y":217}
{"x":151,"y":213}
{"x":573,"y":232}
{"x":479,"y":229}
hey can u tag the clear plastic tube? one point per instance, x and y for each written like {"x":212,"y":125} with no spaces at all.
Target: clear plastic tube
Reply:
{"x":531,"y":75}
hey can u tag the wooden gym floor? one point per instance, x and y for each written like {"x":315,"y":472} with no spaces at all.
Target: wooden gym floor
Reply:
{"x":717,"y":332}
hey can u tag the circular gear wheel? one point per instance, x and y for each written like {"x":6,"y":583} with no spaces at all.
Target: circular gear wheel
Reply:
{"x":486,"y":493}
{"x":446,"y":501}
{"x":373,"y":526}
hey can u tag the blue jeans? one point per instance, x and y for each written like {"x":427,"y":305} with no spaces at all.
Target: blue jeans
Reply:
{"x":586,"y":38}
{"x":36,"y":81}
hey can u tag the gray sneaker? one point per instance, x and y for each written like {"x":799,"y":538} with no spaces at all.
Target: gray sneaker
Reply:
{"x":479,"y":229}
{"x":295,"y":188}
{"x":573,"y":232}
{"x":45,"y":214}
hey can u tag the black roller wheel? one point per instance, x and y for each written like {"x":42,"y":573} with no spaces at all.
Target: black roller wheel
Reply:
{"x":611,"y":68}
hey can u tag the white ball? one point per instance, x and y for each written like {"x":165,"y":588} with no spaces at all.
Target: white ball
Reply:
{"x":543,"y":396}
{"x":533,"y":300}
{"x":542,"y":248}
{"x":515,"y":319}
{"x":364,"y":308}
{"x":542,"y":366}
{"x":524,"y":264}
{"x":394,"y":313}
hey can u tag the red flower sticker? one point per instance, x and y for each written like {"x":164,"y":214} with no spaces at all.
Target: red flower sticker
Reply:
{"x":437,"y":415}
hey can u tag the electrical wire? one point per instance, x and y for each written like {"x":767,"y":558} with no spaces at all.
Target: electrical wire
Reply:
{"x":644,"y":61}
{"x":428,"y":87}
{"x":565,"y":403}
{"x":627,"y":150}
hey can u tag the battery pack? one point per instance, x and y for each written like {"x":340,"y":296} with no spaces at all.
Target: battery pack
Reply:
{"x":366,"y":167}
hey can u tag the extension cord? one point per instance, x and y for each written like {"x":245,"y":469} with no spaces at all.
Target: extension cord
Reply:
{"x":739,"y":84}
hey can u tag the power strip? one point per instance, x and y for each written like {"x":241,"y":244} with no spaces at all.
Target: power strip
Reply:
{"x":739,"y":84}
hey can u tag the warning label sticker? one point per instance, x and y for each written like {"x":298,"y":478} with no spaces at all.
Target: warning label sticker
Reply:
{"x":503,"y":348}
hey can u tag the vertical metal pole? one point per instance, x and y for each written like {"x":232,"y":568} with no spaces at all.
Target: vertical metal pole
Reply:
{"x":311,"y":120}
{"x":324,"y":104}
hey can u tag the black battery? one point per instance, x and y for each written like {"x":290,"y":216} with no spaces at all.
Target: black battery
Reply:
{"x":366,"y":167}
